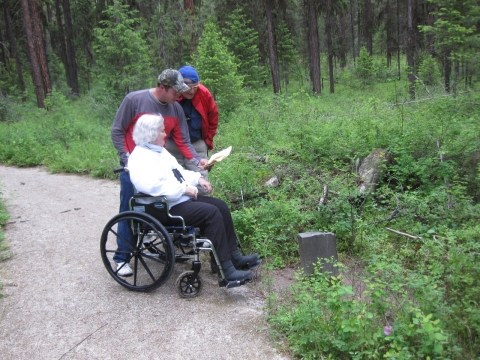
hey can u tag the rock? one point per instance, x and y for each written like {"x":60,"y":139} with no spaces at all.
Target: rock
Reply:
{"x":273,"y":182}
{"x":371,"y":170}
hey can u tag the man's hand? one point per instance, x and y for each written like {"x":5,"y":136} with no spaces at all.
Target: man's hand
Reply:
{"x":205,"y":184}
{"x":203,"y":164}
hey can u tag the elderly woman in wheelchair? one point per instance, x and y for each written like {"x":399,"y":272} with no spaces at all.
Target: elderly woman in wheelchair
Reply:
{"x":168,"y":192}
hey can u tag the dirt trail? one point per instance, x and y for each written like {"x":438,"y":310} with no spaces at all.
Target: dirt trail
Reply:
{"x":62,"y":304}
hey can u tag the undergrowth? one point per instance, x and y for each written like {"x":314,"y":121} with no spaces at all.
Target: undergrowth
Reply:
{"x":415,"y":295}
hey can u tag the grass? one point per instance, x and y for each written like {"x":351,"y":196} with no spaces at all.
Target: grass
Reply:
{"x":425,"y":289}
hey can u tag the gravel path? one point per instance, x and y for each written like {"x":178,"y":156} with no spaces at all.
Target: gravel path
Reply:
{"x":62,"y":304}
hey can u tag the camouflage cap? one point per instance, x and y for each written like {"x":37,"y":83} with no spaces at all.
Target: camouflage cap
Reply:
{"x":174,"y":79}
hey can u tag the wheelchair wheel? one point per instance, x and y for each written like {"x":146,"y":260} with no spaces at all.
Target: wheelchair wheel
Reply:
{"x":187,"y":285}
{"x":150,"y":253}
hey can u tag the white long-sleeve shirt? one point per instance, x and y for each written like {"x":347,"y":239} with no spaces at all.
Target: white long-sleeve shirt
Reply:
{"x":150,"y":167}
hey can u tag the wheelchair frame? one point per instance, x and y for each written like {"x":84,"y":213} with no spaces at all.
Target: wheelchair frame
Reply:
{"x":156,"y":247}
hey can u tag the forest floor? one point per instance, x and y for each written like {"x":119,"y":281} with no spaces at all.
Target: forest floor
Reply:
{"x":60,"y":302}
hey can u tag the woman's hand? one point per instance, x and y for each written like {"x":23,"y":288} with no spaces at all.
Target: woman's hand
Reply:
{"x":191,"y":191}
{"x":205,"y":184}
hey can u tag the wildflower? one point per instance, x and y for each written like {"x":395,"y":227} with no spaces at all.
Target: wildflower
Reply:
{"x":387,"y":330}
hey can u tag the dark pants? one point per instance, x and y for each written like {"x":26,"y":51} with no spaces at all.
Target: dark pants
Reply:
{"x":126,"y":192}
{"x":214,"y":219}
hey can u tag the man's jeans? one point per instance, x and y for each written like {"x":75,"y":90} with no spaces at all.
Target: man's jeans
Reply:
{"x":124,"y":235}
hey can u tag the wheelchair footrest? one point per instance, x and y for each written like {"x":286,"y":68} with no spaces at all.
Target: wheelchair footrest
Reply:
{"x":230,"y":284}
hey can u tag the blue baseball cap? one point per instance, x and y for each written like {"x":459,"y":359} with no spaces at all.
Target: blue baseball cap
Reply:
{"x":190,"y":73}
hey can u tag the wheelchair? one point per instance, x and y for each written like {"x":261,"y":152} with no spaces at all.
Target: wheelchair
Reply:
{"x":157,"y":247}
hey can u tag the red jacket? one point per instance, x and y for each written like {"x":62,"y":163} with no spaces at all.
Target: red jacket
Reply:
{"x":205,"y":104}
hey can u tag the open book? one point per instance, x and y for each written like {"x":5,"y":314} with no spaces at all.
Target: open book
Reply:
{"x":218,"y":157}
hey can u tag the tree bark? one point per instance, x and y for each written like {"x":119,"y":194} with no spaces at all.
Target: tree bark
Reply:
{"x":313,"y":47}
{"x":40,"y":49}
{"x":61,"y":40}
{"x":352,"y":25}
{"x":398,"y":38}
{"x":369,"y":26}
{"x":190,"y":10}
{"x":14,"y":52}
{"x":3,"y":58}
{"x":342,"y":39}
{"x":271,"y":47}
{"x":329,"y":45}
{"x":70,"y":53}
{"x":36,"y":74}
{"x":411,"y":50}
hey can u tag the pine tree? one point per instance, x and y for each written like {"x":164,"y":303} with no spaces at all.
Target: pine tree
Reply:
{"x":456,"y":33}
{"x":122,"y":52}
{"x":286,"y":52}
{"x":218,"y":69}
{"x":242,"y":41}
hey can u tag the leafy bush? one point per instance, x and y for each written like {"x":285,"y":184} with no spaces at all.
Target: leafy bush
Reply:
{"x":425,"y":286}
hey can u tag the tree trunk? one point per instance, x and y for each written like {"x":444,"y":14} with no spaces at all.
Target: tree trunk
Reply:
{"x":40,"y":49}
{"x":456,"y":73}
{"x":70,"y":53}
{"x":411,"y":50}
{"x":271,"y":48}
{"x":352,"y":24}
{"x":60,"y":38}
{"x":3,"y":56}
{"x":369,"y":26}
{"x":13,"y":51}
{"x":390,"y":33}
{"x":342,"y":40}
{"x":329,"y":44}
{"x":313,"y":48}
{"x":36,"y":75}
{"x":190,"y":10}
{"x":430,"y":37}
{"x":398,"y":38}
{"x":359,"y":28}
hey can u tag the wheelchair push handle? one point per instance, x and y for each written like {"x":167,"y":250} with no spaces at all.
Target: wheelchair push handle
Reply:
{"x":120,"y":169}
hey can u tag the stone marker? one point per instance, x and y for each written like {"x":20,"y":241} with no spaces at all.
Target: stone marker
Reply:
{"x":317,"y":245}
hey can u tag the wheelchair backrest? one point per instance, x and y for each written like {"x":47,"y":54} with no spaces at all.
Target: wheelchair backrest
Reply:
{"x":156,"y":206}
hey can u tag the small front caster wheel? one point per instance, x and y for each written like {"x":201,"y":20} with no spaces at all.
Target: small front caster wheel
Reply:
{"x":188,"y":285}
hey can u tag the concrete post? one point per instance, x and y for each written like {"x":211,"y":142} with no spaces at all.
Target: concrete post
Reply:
{"x":317,"y":245}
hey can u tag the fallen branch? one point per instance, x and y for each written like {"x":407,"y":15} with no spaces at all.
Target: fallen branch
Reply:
{"x":404,"y":234}
{"x":323,"y":199}
{"x":432,"y":98}
{"x":393,"y":215}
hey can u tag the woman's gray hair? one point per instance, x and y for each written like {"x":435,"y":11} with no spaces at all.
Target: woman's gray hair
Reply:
{"x":146,"y":128}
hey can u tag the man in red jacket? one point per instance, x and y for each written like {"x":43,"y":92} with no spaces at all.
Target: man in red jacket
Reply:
{"x":201,"y":113}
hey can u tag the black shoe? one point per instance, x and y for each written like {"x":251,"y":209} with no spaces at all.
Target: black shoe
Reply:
{"x":232,"y":274}
{"x":244,"y":262}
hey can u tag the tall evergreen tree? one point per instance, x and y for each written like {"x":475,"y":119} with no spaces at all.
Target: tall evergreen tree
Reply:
{"x":242,"y":41}
{"x":272,"y":46}
{"x":36,"y":73}
{"x":122,"y":52}
{"x":313,"y":45}
{"x":13,"y":49}
{"x":286,"y":52}
{"x":456,"y":33}
{"x":218,"y":69}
